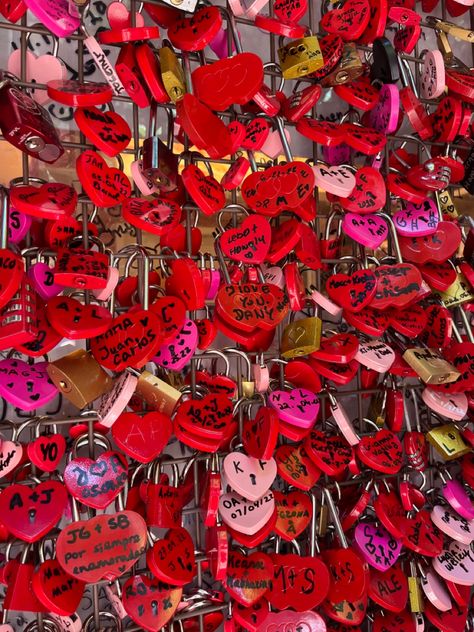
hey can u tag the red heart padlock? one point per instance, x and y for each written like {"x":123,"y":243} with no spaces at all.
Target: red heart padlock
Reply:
{"x":422,"y":536}
{"x":397,"y":285}
{"x":299,"y":582}
{"x":295,"y":466}
{"x":76,"y":321}
{"x":394,"y":622}
{"x":381,"y":452}
{"x":171,"y":312}
{"x":208,"y":417}
{"x":252,"y":305}
{"x":248,"y":577}
{"x":204,"y":128}
{"x":149,"y":603}
{"x":104,"y":185}
{"x":157,"y":216}
{"x":249,"y":243}
{"x":369,"y":194}
{"x":205,"y":190}
{"x":142,"y":438}
{"x":331,"y":453}
{"x":389,"y":589}
{"x":349,"y":574}
{"x":368,"y":321}
{"x":353,"y":292}
{"x":453,"y":620}
{"x":58,"y":592}
{"x":439,"y":327}
{"x":294,"y":511}
{"x":349,"y":22}
{"x":195,"y":33}
{"x":440,"y":275}
{"x":337,"y":348}
{"x":171,"y":559}
{"x":108,"y":131}
{"x":260,"y":435}
{"x":48,"y":201}
{"x":284,"y":239}
{"x":11,"y":274}
{"x":47,"y":451}
{"x":256,"y":134}
{"x":436,"y":247}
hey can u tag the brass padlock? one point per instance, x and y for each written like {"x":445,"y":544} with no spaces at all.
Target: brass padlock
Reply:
{"x":79,"y":377}
{"x":349,"y":68}
{"x":301,"y":337}
{"x":448,"y":442}
{"x":157,"y":394}
{"x":459,"y":292}
{"x":430,"y":366}
{"x":446,"y":204}
{"x":300,"y":57}
{"x":414,"y":590}
{"x":172,"y":73}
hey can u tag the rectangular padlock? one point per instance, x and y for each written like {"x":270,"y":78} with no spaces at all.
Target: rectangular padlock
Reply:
{"x":349,"y":68}
{"x":158,"y":161}
{"x":18,"y":324}
{"x":430,"y":366}
{"x":300,"y":57}
{"x":157,"y":394}
{"x":448,"y":442}
{"x":457,"y":293}
{"x":301,"y":337}
{"x":172,"y":73}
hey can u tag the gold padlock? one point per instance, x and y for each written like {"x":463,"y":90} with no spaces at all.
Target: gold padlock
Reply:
{"x":172,"y":74}
{"x":414,"y":590}
{"x":377,"y":407}
{"x":349,"y":68}
{"x":157,"y":394}
{"x":448,"y":442}
{"x":300,"y":57}
{"x":459,"y":292}
{"x":446,"y":204}
{"x":79,"y":377}
{"x":430,"y":366}
{"x":301,"y":337}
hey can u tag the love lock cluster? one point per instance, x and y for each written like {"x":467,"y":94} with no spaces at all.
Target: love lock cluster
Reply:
{"x":254,"y":414}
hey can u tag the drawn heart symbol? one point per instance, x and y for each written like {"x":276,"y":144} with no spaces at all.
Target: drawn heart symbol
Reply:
{"x":30,"y":512}
{"x":11,"y":274}
{"x":456,"y":563}
{"x":389,"y":589}
{"x":349,"y":22}
{"x":308,"y":586}
{"x":105,"y":186}
{"x":229,"y":81}
{"x":377,"y":546}
{"x":284,"y":187}
{"x":249,"y":477}
{"x":131,"y":340}
{"x":331,"y":453}
{"x":76,"y":321}
{"x":417,"y":219}
{"x":157,"y":216}
{"x":298,"y":407}
{"x":353,"y":292}
{"x":251,"y":305}
{"x":422,"y":536}
{"x":410,"y":321}
{"x":142,"y":438}
{"x":250,"y":242}
{"x":338,"y":180}
{"x":11,"y":453}
{"x":394,"y":622}
{"x":48,"y":201}
{"x":248,"y":577}
{"x":108,"y":131}
{"x":150,"y":603}
{"x":57,"y":590}
{"x":381,"y":452}
{"x":439,"y":276}
{"x":397,"y":285}
{"x":438,"y":246}
{"x":46,"y":451}
{"x":26,"y":386}
{"x":192,"y":34}
{"x":171,"y":313}
{"x":208,"y":194}
{"x":260,"y":435}
{"x":284,"y":239}
{"x":368,"y":194}
{"x":369,"y":230}
{"x":452,"y":620}
{"x":119,"y":17}
{"x":208,"y":417}
{"x":171,"y":559}
{"x":246,"y":516}
{"x":177,"y":353}
{"x":96,"y":483}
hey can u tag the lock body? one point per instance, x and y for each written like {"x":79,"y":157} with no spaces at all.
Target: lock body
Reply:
{"x":430,"y":366}
{"x":301,"y":337}
{"x":300,"y":57}
{"x":448,"y":442}
{"x":157,"y":394}
{"x":160,"y":164}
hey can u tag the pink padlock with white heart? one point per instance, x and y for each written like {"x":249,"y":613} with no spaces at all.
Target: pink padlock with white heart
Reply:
{"x":249,"y":477}
{"x":456,"y":564}
{"x":454,"y":525}
{"x":244,"y":515}
{"x":458,"y":498}
{"x":369,"y":230}
{"x":375,"y":355}
{"x":338,"y":180}
{"x":450,"y":405}
{"x":10,"y":456}
{"x":376,"y":545}
{"x":18,"y":225}
{"x":176,"y":354}
{"x":42,"y":278}
{"x":298,"y":407}
{"x":39,"y":69}
{"x":433,"y":75}
{"x":435,"y":591}
{"x":417,"y":220}
{"x":384,"y":116}
{"x":24,"y":385}
{"x":55,"y":15}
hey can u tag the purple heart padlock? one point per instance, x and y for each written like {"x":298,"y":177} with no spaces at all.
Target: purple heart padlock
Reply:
{"x":384,"y":116}
{"x":177,"y":353}
{"x":42,"y":278}
{"x":456,"y":564}
{"x":298,"y":407}
{"x":458,"y":498}
{"x":18,"y":225}
{"x":26,"y":386}
{"x":337,"y":154}
{"x":376,"y":545}
{"x":368,"y":230}
{"x":417,"y":219}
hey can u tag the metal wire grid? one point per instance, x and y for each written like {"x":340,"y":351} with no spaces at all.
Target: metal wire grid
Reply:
{"x":357,"y":395}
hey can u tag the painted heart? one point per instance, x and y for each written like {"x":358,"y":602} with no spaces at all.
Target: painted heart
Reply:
{"x":103,"y":547}
{"x":280,"y":188}
{"x":171,"y":559}
{"x":389,"y":589}
{"x":295,"y":466}
{"x":417,"y":219}
{"x":248,"y":577}
{"x":108,"y":131}
{"x":439,"y":276}
{"x":76,"y":321}
{"x":452,"y":620}
{"x":439,"y":327}
{"x":171,"y":313}
{"x":331,"y":453}
{"x":369,"y":193}
{"x":177,"y":353}
{"x":149,"y":603}
{"x":394,"y":622}
{"x":195,"y":33}
{"x":294,"y":511}
{"x":456,"y":563}
{"x":381,"y":452}
{"x":397,"y":285}
{"x":105,"y":186}
{"x":369,"y":230}
{"x":57,"y":590}
{"x":251,"y":305}
{"x":437,"y":246}
{"x":376,"y":545}
{"x":206,"y":191}
{"x":47,"y":451}
{"x":144,"y":437}
{"x":30,"y":512}
{"x":26,"y":386}
{"x":208,"y":417}
{"x":299,"y":582}
{"x":284,"y":239}
{"x":410,"y":321}
{"x":48,"y":201}
{"x":249,"y":477}
{"x":260,"y":435}
{"x":250,"y":242}
{"x":131,"y":340}
{"x":11,"y":453}
{"x":96,"y":483}
{"x":229,"y":81}
{"x":298,"y":407}
{"x":246,"y":516}
{"x":353,"y":292}
{"x":338,"y":180}
{"x":422,"y":536}
{"x":157,"y":216}
{"x":349,"y":22}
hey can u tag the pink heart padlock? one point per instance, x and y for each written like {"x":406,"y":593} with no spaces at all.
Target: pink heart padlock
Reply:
{"x":450,"y":405}
{"x":338,"y":180}
{"x":273,"y":147}
{"x":26,"y":386}
{"x":417,"y":219}
{"x":368,"y":230}
{"x":112,"y":404}
{"x":10,"y":456}
{"x":274,"y":275}
{"x":214,"y":284}
{"x":436,"y":592}
{"x":298,"y":407}
{"x":39,"y":69}
{"x":458,"y":498}
{"x":453,"y":524}
{"x":18,"y":225}
{"x":55,"y":15}
{"x":433,"y":75}
{"x":384,"y":116}
{"x":376,"y":545}
{"x":42,"y":278}
{"x":249,"y":477}
{"x":113,"y":276}
{"x":6,"y":627}
{"x":146,"y":185}
{"x":244,"y":515}
{"x":177,"y":353}
{"x":456,"y":564}
{"x":375,"y":355}
{"x":119,"y":17}
{"x":288,"y":621}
